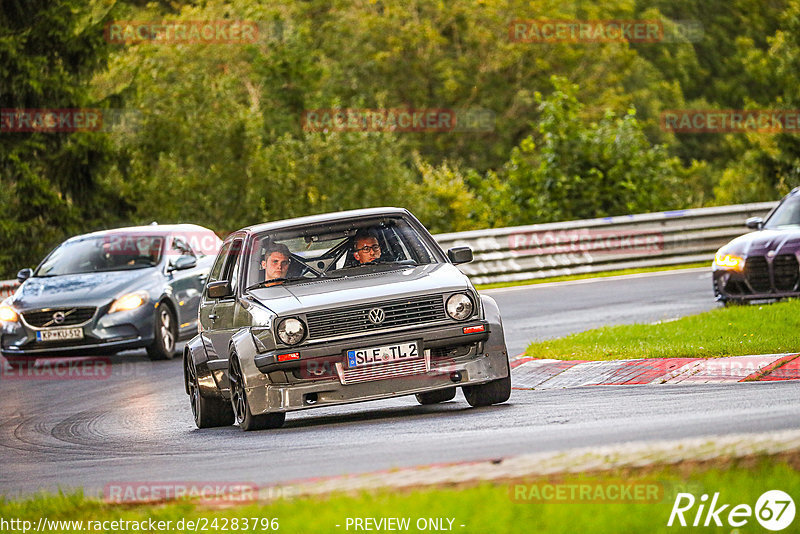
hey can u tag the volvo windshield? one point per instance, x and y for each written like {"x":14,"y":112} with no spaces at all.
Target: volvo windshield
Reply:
{"x":114,"y":252}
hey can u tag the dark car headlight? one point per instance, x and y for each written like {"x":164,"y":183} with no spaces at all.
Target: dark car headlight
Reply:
{"x":459,"y":306}
{"x":730,"y":262}
{"x":291,"y":330}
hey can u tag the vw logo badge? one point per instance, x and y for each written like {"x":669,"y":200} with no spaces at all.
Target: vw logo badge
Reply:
{"x":376,"y":316}
{"x":58,"y":317}
{"x":771,"y":254}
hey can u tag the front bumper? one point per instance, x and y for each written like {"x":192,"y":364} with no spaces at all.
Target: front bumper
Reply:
{"x":274,"y":398}
{"x":451,"y":358}
{"x":102,"y":334}
{"x":738,"y":286}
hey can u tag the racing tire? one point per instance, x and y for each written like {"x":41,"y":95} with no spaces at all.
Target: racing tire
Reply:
{"x":435,"y":397}
{"x":207,"y":412}
{"x":241,"y":408}
{"x":166,"y":334}
{"x":493,"y":392}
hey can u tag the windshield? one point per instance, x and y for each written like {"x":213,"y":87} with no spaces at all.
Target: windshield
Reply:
{"x":115,"y":252}
{"x":787,"y":214}
{"x":337,"y":250}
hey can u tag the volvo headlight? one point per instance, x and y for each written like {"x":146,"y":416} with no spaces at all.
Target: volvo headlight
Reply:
{"x":8,"y":314}
{"x":291,"y":331}
{"x":128,"y":302}
{"x":459,"y":306}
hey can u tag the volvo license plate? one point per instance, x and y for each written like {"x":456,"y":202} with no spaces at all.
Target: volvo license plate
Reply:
{"x":59,"y":334}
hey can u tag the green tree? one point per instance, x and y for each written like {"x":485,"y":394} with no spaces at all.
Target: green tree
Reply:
{"x":50,"y":181}
{"x":581,"y":170}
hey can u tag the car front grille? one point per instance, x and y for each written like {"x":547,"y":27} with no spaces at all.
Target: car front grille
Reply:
{"x":785,"y":272}
{"x":756,"y":270}
{"x":355,"y":319}
{"x":383,"y":371}
{"x":782,"y":274}
{"x":72,"y":316}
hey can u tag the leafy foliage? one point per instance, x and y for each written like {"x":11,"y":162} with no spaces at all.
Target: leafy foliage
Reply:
{"x":218,"y":137}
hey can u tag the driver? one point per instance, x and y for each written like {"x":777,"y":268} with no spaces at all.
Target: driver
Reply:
{"x":276,"y":262}
{"x":366,"y":248}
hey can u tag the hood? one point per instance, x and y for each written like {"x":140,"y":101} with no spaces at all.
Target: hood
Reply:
{"x":84,"y":289}
{"x":764,"y":241}
{"x":365,"y":288}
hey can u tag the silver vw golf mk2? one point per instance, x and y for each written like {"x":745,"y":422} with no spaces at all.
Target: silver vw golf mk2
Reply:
{"x":339,"y":308}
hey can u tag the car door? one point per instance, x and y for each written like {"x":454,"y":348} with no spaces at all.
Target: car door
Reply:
{"x":207,"y":304}
{"x":221,"y":327}
{"x":187,"y":284}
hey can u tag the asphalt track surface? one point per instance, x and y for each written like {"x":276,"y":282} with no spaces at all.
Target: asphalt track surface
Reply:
{"x":136,"y":425}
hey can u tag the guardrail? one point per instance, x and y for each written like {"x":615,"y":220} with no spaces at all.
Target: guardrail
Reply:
{"x":7,"y":288}
{"x":592,"y":245}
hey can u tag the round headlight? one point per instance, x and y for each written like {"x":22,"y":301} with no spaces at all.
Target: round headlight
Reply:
{"x":291,"y":331}
{"x":459,"y":307}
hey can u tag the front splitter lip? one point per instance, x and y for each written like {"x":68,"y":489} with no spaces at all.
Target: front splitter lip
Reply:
{"x":77,"y":350}
{"x":287,"y":398}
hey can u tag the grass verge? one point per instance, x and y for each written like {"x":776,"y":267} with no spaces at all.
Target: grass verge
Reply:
{"x":525,"y":505}
{"x":604,"y":274}
{"x":732,"y":331}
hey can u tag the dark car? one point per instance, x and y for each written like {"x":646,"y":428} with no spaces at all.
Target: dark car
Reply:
{"x":340,"y":308}
{"x":762,"y":264}
{"x":109,"y":291}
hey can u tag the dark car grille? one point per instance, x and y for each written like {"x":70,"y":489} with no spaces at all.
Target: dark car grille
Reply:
{"x":756,"y":271}
{"x":785,"y":271}
{"x":44,"y":319}
{"x":355,"y":319}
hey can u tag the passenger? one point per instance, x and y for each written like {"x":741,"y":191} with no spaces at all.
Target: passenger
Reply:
{"x":366,"y":248}
{"x":276,"y":262}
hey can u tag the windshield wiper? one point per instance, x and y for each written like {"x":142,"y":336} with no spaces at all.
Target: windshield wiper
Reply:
{"x":270,"y":282}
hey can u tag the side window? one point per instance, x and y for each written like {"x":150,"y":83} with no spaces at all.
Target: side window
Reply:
{"x":181,"y":248}
{"x":216,"y":270}
{"x":231,"y":271}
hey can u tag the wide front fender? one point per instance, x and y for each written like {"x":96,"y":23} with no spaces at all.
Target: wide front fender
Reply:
{"x":195,"y":352}
{"x":243,"y":347}
{"x":495,"y":347}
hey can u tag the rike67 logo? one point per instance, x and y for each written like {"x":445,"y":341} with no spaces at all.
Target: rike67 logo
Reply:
{"x":774,"y":510}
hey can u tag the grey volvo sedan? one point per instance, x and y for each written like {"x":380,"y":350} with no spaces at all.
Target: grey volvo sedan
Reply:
{"x":110,"y":291}
{"x":340,"y":308}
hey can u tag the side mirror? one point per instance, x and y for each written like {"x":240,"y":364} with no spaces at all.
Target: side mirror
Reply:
{"x":219,"y":290}
{"x":183,"y":263}
{"x":756,"y":223}
{"x":460,"y":255}
{"x":24,"y":274}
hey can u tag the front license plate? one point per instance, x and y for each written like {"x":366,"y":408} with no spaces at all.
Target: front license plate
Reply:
{"x":382,"y":354}
{"x":59,"y":334}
